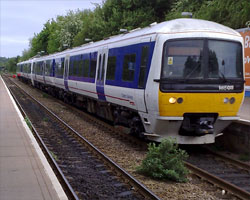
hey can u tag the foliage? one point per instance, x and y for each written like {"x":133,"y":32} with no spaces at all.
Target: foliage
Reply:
{"x":165,"y":162}
{"x":69,"y":26}
{"x":3,"y":61}
{"x":28,"y":122}
{"x":112,"y":15}
{"x":234,"y":14}
{"x":10,"y":65}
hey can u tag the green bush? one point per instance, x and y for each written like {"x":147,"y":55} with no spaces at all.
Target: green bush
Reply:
{"x":165,"y":162}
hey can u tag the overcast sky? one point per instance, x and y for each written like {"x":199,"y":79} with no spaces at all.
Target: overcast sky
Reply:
{"x":20,"y":19}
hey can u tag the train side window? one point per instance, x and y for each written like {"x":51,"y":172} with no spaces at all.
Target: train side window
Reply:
{"x":75,"y":67}
{"x":37,"y":68}
{"x":111,"y":67}
{"x":34,"y":68}
{"x":40,"y":68}
{"x":62,"y":67}
{"x":59,"y":67}
{"x":71,"y":66}
{"x":80,"y":68}
{"x":47,"y":67}
{"x":143,"y":67}
{"x":86,"y":68}
{"x":92,"y":65}
{"x":129,"y":64}
{"x":29,"y":69}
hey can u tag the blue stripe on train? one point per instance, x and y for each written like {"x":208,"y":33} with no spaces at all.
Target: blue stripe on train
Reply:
{"x":120,"y":52}
{"x":100,"y":92}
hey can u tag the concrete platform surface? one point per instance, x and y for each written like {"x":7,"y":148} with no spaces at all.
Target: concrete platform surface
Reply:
{"x":24,"y":171}
{"x":244,"y":111}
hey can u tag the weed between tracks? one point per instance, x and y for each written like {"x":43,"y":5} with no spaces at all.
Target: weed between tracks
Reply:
{"x":28,"y":122}
{"x":165,"y":162}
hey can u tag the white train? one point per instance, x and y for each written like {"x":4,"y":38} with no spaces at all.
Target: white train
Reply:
{"x":181,"y":79}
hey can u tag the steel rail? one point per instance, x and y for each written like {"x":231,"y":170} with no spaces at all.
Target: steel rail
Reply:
{"x":243,"y":121}
{"x":133,"y":182}
{"x":62,"y":179}
{"x":234,"y":162}
{"x":242,"y":194}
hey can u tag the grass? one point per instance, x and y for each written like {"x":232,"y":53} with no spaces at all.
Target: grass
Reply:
{"x":244,"y":157}
{"x":45,"y":119}
{"x":28,"y":122}
{"x":45,"y":95}
{"x":54,"y":156}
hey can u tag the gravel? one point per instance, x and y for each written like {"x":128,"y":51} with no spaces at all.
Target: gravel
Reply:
{"x":128,"y":156}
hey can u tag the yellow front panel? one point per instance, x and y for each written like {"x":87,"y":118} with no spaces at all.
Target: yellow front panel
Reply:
{"x":199,"y":103}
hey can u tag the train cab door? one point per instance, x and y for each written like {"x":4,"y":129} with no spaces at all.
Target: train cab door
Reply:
{"x":100,"y":77}
{"x":143,"y":70}
{"x":66,"y":72}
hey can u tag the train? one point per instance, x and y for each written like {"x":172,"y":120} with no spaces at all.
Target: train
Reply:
{"x":180,"y":79}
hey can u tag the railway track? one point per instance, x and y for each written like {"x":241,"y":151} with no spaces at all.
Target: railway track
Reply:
{"x":84,"y":171}
{"x":221,"y":178}
{"x":229,"y":174}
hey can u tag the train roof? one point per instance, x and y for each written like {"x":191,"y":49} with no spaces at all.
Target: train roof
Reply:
{"x":182,"y":25}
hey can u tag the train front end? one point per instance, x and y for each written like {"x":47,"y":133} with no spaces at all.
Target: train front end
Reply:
{"x":201,"y":85}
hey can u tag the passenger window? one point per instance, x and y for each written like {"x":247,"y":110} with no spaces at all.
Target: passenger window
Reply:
{"x":40,"y":68}
{"x":129,"y":67}
{"x":29,"y":68}
{"x":143,"y":67}
{"x":62,"y":67}
{"x":86,"y":68}
{"x":93,"y":65}
{"x":111,"y":68}
{"x":75,"y":67}
{"x":47,"y":67}
{"x":80,"y":68}
{"x":71,"y":67}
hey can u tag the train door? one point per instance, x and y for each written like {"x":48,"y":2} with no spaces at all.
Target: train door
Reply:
{"x":144,"y":65}
{"x":66,"y":72}
{"x":102,"y":65}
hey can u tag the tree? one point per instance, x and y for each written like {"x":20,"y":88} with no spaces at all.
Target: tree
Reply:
{"x":69,"y":26}
{"x":11,"y":64}
{"x":231,"y":13}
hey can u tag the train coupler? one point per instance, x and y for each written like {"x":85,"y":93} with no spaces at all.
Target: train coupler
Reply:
{"x":195,"y":124}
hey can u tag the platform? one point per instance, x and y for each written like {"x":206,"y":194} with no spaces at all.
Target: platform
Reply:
{"x":244,"y":111}
{"x":24,"y":171}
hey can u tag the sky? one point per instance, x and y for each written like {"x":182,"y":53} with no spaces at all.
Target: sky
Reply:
{"x":21,"y":19}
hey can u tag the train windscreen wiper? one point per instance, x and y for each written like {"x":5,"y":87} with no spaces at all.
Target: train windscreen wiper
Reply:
{"x":222,"y":77}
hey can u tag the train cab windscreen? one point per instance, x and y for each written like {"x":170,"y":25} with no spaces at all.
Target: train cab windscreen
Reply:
{"x":204,"y":65}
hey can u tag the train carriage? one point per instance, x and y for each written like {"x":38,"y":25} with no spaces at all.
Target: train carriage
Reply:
{"x":182,"y":78}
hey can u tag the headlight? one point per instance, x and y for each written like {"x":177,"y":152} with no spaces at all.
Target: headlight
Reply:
{"x":226,"y":100}
{"x":179,"y":100}
{"x":172,"y":100}
{"x":232,"y":100}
